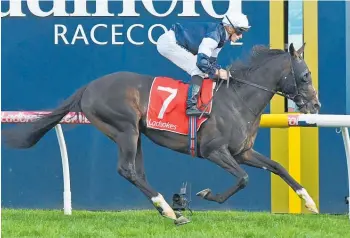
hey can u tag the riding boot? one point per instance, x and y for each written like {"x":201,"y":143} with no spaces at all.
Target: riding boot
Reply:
{"x":192,"y":99}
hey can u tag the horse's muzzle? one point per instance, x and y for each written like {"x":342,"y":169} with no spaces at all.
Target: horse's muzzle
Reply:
{"x":312,"y":107}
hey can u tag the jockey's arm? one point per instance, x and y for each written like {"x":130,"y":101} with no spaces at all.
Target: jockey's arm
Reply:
{"x":206,"y":57}
{"x":213,"y":58}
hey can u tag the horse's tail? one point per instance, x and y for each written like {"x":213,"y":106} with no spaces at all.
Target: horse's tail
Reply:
{"x":27,"y":135}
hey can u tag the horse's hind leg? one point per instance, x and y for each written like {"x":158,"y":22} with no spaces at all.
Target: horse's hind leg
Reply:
{"x":128,"y":147}
{"x":158,"y":201}
{"x":139,"y":164}
{"x":255,"y":159}
{"x":126,"y":135}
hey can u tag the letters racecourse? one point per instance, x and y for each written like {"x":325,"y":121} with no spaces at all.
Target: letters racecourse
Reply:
{"x":128,"y":9}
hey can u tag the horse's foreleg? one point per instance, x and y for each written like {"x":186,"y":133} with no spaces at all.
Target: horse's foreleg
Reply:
{"x":255,"y":159}
{"x":223,"y":158}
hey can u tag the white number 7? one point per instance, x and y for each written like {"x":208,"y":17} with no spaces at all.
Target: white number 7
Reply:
{"x":167,"y":101}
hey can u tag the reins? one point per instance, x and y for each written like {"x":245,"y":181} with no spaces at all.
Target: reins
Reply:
{"x":254,"y":85}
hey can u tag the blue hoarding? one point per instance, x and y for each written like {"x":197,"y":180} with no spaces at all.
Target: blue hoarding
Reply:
{"x":41,"y":68}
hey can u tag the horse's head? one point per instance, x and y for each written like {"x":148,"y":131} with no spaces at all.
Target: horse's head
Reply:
{"x":298,"y":84}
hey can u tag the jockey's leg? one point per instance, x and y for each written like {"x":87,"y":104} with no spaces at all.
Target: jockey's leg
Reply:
{"x":167,"y":47}
{"x":192,"y":97}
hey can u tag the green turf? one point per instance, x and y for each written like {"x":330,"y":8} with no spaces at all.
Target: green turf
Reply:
{"x":39,"y":223}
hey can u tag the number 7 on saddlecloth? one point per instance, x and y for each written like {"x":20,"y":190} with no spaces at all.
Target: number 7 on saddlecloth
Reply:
{"x":167,"y":101}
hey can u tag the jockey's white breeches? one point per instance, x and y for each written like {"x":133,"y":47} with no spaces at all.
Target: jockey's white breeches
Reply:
{"x":167,"y":47}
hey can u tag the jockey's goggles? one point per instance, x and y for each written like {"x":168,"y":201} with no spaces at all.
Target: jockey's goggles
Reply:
{"x":238,"y":30}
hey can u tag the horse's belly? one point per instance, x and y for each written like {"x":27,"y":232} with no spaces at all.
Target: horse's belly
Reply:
{"x":169,"y":140}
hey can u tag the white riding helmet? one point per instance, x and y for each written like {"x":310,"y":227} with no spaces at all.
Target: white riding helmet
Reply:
{"x":236,"y":20}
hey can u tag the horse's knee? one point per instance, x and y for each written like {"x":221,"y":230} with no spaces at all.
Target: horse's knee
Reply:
{"x":244,"y":181}
{"x":221,"y":199}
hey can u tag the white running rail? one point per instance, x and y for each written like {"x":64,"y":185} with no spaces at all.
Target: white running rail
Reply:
{"x":268,"y":120}
{"x":13,"y":117}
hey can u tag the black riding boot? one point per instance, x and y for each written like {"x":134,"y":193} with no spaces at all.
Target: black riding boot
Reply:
{"x":193,"y":94}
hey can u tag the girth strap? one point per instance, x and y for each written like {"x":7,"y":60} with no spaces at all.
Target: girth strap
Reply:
{"x":192,"y":135}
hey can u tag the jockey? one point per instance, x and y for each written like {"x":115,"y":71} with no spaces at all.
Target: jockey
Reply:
{"x":194,"y":47}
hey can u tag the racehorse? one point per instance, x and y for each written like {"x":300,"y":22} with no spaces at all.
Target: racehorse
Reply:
{"x":117,"y":105}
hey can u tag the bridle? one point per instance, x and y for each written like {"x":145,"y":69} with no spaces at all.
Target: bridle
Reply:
{"x":292,"y":96}
{"x":284,"y":87}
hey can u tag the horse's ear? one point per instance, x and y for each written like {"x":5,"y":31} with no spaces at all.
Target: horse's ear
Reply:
{"x":301,"y":50}
{"x":291,"y":49}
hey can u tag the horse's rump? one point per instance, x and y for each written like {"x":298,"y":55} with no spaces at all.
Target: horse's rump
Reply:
{"x":167,"y":104}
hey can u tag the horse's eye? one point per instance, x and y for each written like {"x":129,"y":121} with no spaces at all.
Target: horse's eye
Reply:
{"x":306,"y":76}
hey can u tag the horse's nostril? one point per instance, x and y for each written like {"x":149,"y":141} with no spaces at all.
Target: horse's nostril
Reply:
{"x":317,"y":106}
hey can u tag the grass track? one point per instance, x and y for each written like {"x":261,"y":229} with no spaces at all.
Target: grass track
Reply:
{"x":49,"y":223}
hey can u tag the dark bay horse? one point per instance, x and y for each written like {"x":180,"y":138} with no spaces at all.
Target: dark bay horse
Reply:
{"x":117,"y":104}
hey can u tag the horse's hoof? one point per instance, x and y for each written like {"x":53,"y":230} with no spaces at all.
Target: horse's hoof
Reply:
{"x":181,"y":221}
{"x":178,"y":214}
{"x":204,"y":192}
{"x":312,"y":208}
{"x":169,"y":214}
{"x":309,"y":203}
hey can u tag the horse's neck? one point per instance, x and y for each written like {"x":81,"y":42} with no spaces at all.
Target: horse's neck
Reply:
{"x":268,"y":76}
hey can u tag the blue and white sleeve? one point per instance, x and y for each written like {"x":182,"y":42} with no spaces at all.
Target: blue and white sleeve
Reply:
{"x":207,"y":49}
{"x":214,"y":57}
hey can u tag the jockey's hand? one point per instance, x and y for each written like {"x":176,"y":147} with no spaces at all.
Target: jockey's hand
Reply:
{"x":223,"y":74}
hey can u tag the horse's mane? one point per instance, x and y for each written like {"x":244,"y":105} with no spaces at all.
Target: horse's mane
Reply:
{"x":258,"y":55}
